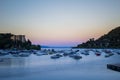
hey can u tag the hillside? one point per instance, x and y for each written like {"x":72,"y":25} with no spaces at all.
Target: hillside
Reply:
{"x":109,"y":40}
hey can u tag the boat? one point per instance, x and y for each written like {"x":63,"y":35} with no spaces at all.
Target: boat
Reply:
{"x":108,"y":55}
{"x":118,"y":52}
{"x":77,"y":50}
{"x":24,"y":54}
{"x":55,"y":57}
{"x":97,"y":54}
{"x":66,"y":53}
{"x":40,"y":53}
{"x":59,"y":55}
{"x":77,"y":57}
{"x":107,"y":51}
{"x":15,"y":53}
{"x":85,"y":53}
{"x":3,"y":53}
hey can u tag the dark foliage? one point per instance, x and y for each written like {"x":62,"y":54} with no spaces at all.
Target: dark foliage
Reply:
{"x":7,"y":43}
{"x":110,"y":40}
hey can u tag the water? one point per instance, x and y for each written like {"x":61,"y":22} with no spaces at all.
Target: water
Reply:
{"x":34,"y":67}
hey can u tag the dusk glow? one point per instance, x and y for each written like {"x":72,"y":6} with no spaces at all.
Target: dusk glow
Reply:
{"x":59,"y":22}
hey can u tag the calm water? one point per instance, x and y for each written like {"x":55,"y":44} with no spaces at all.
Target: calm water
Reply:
{"x":34,"y":67}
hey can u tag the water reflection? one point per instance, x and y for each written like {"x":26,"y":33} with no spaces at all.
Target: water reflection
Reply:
{"x":12,"y":62}
{"x":13,"y":67}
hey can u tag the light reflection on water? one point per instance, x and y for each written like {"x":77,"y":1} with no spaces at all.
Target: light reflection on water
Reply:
{"x":44,"y":68}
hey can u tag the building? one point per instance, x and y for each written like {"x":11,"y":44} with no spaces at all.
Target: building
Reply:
{"x":18,"y":38}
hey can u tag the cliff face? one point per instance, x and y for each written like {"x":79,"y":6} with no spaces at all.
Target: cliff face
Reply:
{"x":110,"y":40}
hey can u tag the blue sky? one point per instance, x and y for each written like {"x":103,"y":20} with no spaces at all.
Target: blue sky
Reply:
{"x":59,"y":22}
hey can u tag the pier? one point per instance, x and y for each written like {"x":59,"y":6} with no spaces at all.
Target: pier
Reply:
{"x":115,"y":67}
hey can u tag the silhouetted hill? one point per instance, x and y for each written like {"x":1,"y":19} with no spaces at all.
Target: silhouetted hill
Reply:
{"x":110,"y":40}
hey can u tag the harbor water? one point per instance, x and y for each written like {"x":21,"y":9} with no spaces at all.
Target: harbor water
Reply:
{"x":90,"y":67}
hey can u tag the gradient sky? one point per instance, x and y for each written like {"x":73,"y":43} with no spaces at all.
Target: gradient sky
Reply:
{"x":59,"y":22}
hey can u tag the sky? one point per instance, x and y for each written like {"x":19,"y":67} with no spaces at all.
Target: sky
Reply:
{"x":59,"y":22}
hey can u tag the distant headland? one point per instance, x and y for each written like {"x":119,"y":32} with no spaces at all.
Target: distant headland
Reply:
{"x":12,"y":41}
{"x":109,"y":40}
